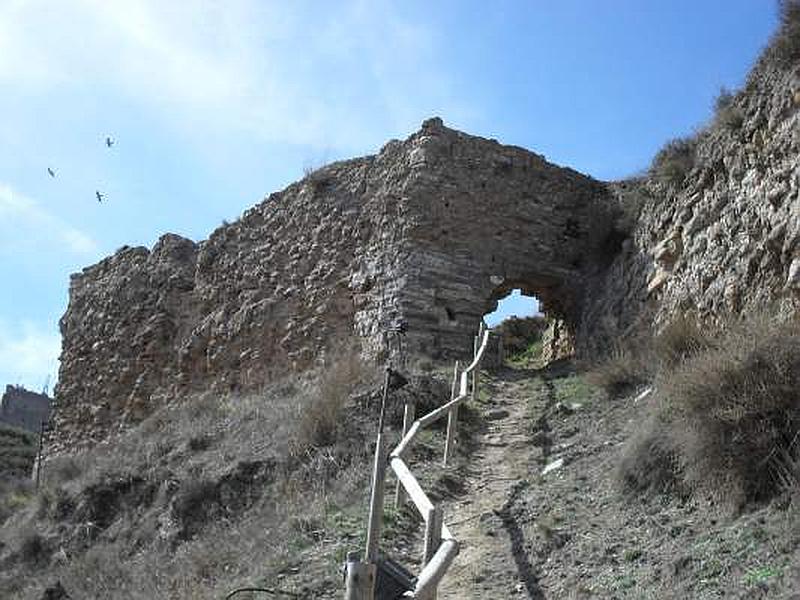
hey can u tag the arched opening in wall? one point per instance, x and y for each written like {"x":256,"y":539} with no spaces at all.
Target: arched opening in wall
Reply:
{"x":513,"y":304}
{"x":518,"y":325}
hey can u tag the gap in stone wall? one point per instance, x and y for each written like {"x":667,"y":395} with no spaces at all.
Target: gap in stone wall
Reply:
{"x":513,"y":304}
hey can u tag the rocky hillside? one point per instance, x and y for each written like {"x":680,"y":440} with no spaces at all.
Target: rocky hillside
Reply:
{"x":716,"y":221}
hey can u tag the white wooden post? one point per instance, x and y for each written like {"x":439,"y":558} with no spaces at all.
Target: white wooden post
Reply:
{"x":452,"y":420}
{"x":433,"y":538}
{"x":476,"y":345}
{"x":359,"y":579}
{"x":409,"y":414}
{"x":376,"y":500}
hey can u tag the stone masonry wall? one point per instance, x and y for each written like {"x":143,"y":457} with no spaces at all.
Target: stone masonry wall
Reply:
{"x":431,"y":231}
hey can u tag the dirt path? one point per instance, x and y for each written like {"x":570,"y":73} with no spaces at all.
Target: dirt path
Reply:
{"x":492,"y":562}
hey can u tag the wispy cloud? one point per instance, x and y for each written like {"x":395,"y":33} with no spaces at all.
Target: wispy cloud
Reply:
{"x":25,"y":223}
{"x":28,"y":354}
{"x":333,"y":75}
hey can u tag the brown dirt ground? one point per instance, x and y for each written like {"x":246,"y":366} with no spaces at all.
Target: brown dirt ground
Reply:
{"x":573,"y":534}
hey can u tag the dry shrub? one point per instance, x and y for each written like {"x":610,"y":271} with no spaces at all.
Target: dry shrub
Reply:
{"x":673,"y":162}
{"x":681,"y":339}
{"x":737,"y":409}
{"x":627,"y":368}
{"x":637,"y":360}
{"x":320,"y":420}
{"x":14,"y":495}
{"x":784,"y":48}
{"x":32,"y":547}
{"x":730,"y":405}
{"x":726,"y":113}
{"x":650,"y":461}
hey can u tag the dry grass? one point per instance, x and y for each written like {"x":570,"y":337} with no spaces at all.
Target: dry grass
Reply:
{"x":320,"y":421}
{"x":636,"y":361}
{"x":200,"y":496}
{"x":784,"y":48}
{"x":674,"y":161}
{"x":728,"y":413}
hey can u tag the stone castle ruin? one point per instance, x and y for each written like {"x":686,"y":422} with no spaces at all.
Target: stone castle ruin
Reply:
{"x":431,"y":232}
{"x":24,"y":409}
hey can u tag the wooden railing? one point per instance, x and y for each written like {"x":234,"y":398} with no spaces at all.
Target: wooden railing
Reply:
{"x":440,"y":547}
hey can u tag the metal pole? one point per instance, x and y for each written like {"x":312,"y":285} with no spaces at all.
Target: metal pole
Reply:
{"x":38,"y":464}
{"x":452,"y":419}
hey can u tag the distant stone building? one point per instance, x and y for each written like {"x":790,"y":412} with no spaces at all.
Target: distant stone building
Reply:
{"x":24,"y":409}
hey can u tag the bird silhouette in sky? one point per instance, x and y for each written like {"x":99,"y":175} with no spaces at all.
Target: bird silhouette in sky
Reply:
{"x":99,"y":196}
{"x":51,"y":172}
{"x":109,"y":141}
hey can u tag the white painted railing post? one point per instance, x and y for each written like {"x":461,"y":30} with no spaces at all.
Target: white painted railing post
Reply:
{"x":376,"y":500}
{"x":409,"y":414}
{"x":359,"y":579}
{"x":477,"y":345}
{"x":378,"y":485}
{"x":433,"y":539}
{"x":452,"y":420}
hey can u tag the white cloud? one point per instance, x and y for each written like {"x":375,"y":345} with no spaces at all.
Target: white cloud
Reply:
{"x":327,"y":75}
{"x":25,"y":223}
{"x":28,"y":355}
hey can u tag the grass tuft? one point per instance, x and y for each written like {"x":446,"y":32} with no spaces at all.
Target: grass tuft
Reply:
{"x":727,"y":414}
{"x":674,"y":161}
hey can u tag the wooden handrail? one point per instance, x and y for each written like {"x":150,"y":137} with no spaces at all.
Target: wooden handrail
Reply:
{"x":434,"y":570}
{"x":446,"y":546}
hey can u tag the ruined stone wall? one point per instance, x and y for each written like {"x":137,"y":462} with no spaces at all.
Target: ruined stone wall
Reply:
{"x":24,"y":409}
{"x":431,"y":231}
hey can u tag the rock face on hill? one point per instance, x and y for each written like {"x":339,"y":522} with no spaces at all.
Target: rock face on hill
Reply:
{"x":431,"y":232}
{"x":724,"y":238}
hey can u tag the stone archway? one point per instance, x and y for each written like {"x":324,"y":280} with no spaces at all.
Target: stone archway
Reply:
{"x":486,"y":219}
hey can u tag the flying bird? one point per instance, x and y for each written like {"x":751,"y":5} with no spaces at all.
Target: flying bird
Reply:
{"x":99,"y":196}
{"x":51,"y":172}
{"x":109,"y":141}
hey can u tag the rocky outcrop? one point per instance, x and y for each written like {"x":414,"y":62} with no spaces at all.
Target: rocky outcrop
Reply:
{"x":724,"y":240}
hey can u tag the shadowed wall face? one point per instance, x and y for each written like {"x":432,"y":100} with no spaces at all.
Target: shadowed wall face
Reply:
{"x":491,"y":218}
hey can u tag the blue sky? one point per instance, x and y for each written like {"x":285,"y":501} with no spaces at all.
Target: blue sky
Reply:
{"x":213,"y":105}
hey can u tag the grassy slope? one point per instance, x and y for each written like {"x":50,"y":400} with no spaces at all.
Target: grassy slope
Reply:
{"x":17,"y":452}
{"x":218,"y":493}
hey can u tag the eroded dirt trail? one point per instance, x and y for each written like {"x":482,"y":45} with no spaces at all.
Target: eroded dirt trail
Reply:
{"x":492,"y":562}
